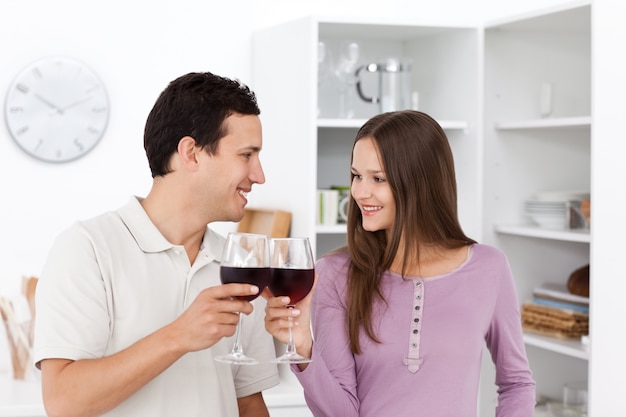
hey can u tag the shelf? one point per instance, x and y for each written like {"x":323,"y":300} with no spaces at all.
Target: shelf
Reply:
{"x":573,"y":348}
{"x":357,"y":123}
{"x":572,"y":235}
{"x":549,"y":123}
{"x":571,"y":16}
{"x":334,"y":229}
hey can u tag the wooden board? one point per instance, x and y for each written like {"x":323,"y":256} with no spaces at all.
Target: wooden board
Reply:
{"x":273,"y":223}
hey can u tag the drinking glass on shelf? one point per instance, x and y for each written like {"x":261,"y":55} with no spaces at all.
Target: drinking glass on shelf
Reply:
{"x":292,"y":275}
{"x":345,"y":73}
{"x":245,"y":259}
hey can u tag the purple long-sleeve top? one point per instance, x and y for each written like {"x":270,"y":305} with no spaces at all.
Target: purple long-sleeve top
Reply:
{"x":432,"y":333}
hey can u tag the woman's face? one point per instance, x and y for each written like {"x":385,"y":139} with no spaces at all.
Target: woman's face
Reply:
{"x":370,"y":188}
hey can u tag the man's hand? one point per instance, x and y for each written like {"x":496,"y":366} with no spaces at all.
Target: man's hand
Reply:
{"x":214,"y":314}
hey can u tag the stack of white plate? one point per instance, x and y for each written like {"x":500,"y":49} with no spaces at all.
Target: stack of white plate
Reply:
{"x":550,"y":209}
{"x":547,"y":214}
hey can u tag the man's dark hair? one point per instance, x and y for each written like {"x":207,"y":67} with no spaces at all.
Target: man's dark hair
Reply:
{"x":193,"y":105}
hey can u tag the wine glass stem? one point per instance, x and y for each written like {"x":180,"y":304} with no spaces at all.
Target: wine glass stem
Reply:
{"x":237,"y":348}
{"x":291,"y":348}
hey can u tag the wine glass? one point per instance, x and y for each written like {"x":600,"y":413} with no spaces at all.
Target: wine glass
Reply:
{"x":345,"y":73}
{"x":245,"y":259}
{"x":292,"y":275}
{"x":324,"y":75}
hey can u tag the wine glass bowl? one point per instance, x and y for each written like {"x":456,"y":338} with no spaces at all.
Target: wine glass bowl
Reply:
{"x":255,"y":276}
{"x":245,"y":259}
{"x":292,"y":275}
{"x":294,"y":283}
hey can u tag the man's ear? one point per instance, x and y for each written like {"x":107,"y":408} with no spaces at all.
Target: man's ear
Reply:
{"x":188,"y":152}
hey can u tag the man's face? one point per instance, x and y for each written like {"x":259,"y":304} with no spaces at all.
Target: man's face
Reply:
{"x":228,"y":175}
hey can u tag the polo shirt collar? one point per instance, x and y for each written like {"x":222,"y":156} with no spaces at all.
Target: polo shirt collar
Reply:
{"x":212,"y":245}
{"x":150,"y":239}
{"x":145,"y":233}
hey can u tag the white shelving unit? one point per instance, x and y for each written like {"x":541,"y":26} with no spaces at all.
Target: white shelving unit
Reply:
{"x":526,"y":153}
{"x":483,"y":85}
{"x":316,"y":149}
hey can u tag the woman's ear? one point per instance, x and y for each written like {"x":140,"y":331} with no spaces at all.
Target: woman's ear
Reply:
{"x":188,"y":152}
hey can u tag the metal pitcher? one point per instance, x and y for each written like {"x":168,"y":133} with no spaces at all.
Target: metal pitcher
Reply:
{"x":393,"y":84}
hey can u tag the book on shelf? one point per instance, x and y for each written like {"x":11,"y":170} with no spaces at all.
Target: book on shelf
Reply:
{"x":559,"y":292}
{"x":557,"y":296}
{"x":561,"y":304}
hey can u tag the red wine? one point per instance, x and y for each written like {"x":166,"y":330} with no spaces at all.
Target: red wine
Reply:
{"x":294,"y":283}
{"x":255,"y":276}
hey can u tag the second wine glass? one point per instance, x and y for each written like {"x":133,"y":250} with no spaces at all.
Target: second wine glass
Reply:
{"x":245,"y":259}
{"x":292,"y":275}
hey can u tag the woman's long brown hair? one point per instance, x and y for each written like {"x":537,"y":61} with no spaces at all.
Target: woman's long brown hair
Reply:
{"x":417,"y":160}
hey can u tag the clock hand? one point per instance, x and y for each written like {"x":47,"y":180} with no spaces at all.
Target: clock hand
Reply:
{"x":77,"y":102}
{"x":49,"y":104}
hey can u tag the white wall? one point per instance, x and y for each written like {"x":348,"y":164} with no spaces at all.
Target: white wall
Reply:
{"x":137,"y":47}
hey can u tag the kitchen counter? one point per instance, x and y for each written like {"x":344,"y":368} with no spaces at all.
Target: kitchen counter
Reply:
{"x":23,"y":398}
{"x":20,"y":398}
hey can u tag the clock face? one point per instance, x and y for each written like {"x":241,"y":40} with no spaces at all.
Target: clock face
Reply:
{"x":57,"y":109}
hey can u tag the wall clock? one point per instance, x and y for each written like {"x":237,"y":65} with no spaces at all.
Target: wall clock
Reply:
{"x":57,"y":109}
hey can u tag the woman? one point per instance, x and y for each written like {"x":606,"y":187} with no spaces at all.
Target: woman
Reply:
{"x":401,"y":314}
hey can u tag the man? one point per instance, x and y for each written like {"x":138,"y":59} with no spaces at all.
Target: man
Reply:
{"x":130,"y":310}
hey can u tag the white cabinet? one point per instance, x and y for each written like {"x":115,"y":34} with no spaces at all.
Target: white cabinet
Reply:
{"x":526,"y":151}
{"x":484,"y":86}
{"x":304,"y":131}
